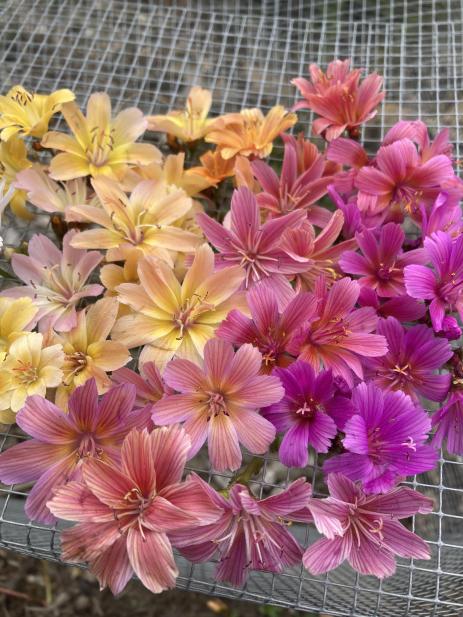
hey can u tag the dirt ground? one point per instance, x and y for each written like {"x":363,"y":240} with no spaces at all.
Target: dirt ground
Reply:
{"x":30,"y":587}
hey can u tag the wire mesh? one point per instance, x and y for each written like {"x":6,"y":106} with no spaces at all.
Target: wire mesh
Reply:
{"x":149,"y":55}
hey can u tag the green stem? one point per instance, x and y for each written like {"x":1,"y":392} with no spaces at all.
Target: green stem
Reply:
{"x":245,"y":475}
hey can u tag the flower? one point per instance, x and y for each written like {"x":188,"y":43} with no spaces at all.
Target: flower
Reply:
{"x":145,"y":220}
{"x":148,"y":382}
{"x":87,"y":352}
{"x":214,"y":168}
{"x":402,"y":308}
{"x":26,"y":113}
{"x":189,"y":124}
{"x":308,"y":414}
{"x":100,"y":145}
{"x":364,"y":529}
{"x":269,"y":329}
{"x":384,"y":440}
{"x":338,"y":97}
{"x":250,"y":534}
{"x":56,"y":281}
{"x":451,"y":328}
{"x":219,"y":402}
{"x":448,"y":422}
{"x":339,"y":336}
{"x":295,"y":188}
{"x":125,"y":511}
{"x":16,"y":317}
{"x":382,"y":263}
{"x":444,"y":284}
{"x":64,"y":442}
{"x":410,"y":364}
{"x":29,"y":368}
{"x":5,"y":198}
{"x":13,"y":159}
{"x":172,"y":319}
{"x":249,"y":132}
{"x":254,"y":246}
{"x":400,"y":180}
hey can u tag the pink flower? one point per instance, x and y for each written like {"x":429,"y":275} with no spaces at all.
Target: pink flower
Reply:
{"x":339,"y":336}
{"x":250,"y":534}
{"x":63,"y":443}
{"x":269,"y":329}
{"x":150,"y":386}
{"x":363,"y":529}
{"x":338,"y":97}
{"x":449,"y":424}
{"x":402,"y":308}
{"x":126,"y":511}
{"x":56,"y":281}
{"x":444,"y":215}
{"x":382,"y":263}
{"x":219,"y":402}
{"x":254,"y":246}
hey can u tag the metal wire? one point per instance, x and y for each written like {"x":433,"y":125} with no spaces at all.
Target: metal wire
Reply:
{"x":149,"y":55}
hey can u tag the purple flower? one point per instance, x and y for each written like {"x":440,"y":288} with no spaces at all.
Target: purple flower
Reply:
{"x":309,"y":414}
{"x":269,"y":329}
{"x":254,"y":246}
{"x":450,"y":328}
{"x":410,"y":364}
{"x":251,"y":534}
{"x":385,"y":440}
{"x":402,"y":308}
{"x":363,"y":529}
{"x":449,"y":423}
{"x":382,"y":263}
{"x":444,"y":214}
{"x":444,"y":284}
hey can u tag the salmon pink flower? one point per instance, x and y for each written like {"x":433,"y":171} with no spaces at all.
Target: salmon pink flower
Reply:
{"x":250,"y":534}
{"x":410,"y":365}
{"x":148,"y":382}
{"x":364,"y":529}
{"x":443,"y":284}
{"x":309,"y":414}
{"x":339,"y":335}
{"x":63,"y":442}
{"x":338,"y":97}
{"x":384,"y":438}
{"x":268,"y":329}
{"x":219,"y":402}
{"x":125,"y":511}
{"x":55,"y":281}
{"x":448,"y":422}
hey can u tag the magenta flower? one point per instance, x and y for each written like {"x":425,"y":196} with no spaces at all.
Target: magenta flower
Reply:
{"x":56,"y":281}
{"x":63,"y":443}
{"x":400,"y":179}
{"x":385,"y":440}
{"x":125,"y":511}
{"x":219,"y":402}
{"x":340,"y":335}
{"x":295,"y":189}
{"x":449,"y":424}
{"x":444,"y":215}
{"x":309,"y":414}
{"x":364,"y":529}
{"x":444,"y":284}
{"x":251,"y":534}
{"x":269,"y":329}
{"x":410,"y":365}
{"x":254,"y":246}
{"x":150,"y":386}
{"x":382,"y":263}
{"x":402,"y":308}
{"x":338,"y":97}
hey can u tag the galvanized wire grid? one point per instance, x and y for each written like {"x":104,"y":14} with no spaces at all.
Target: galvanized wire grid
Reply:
{"x":150,"y":55}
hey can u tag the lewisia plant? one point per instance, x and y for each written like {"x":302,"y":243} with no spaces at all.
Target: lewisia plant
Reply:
{"x":279,"y":311}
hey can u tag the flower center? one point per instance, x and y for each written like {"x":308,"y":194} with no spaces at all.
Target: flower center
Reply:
{"x":190,"y":311}
{"x":216,"y":405}
{"x":102,"y":143}
{"x":25,"y":372}
{"x":88,"y":447}
{"x":308,"y":409}
{"x":74,"y":363}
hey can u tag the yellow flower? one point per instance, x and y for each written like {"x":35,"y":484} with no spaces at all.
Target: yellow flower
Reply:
{"x":29,"y":369}
{"x":249,"y":132}
{"x":172,"y":319}
{"x":26,"y":113}
{"x":145,"y":220}
{"x":100,"y":145}
{"x":87,"y":352}
{"x":16,"y":315}
{"x":189,"y":124}
{"x":112,"y":275}
{"x":13,"y":158}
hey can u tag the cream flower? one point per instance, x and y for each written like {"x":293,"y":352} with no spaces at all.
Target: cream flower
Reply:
{"x":16,"y":317}
{"x":13,"y":159}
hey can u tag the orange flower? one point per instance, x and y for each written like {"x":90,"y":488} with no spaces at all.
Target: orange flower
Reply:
{"x":214,"y":168}
{"x":250,"y":132}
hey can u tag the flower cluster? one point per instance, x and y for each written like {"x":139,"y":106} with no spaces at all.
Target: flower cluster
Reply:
{"x":320,"y":317}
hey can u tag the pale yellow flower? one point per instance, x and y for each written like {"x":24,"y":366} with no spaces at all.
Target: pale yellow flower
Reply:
{"x":189,"y":124}
{"x":112,"y":275}
{"x":29,"y":368}
{"x":28,"y":113}
{"x":16,"y":317}
{"x":100,"y":145}
{"x":13,"y":158}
